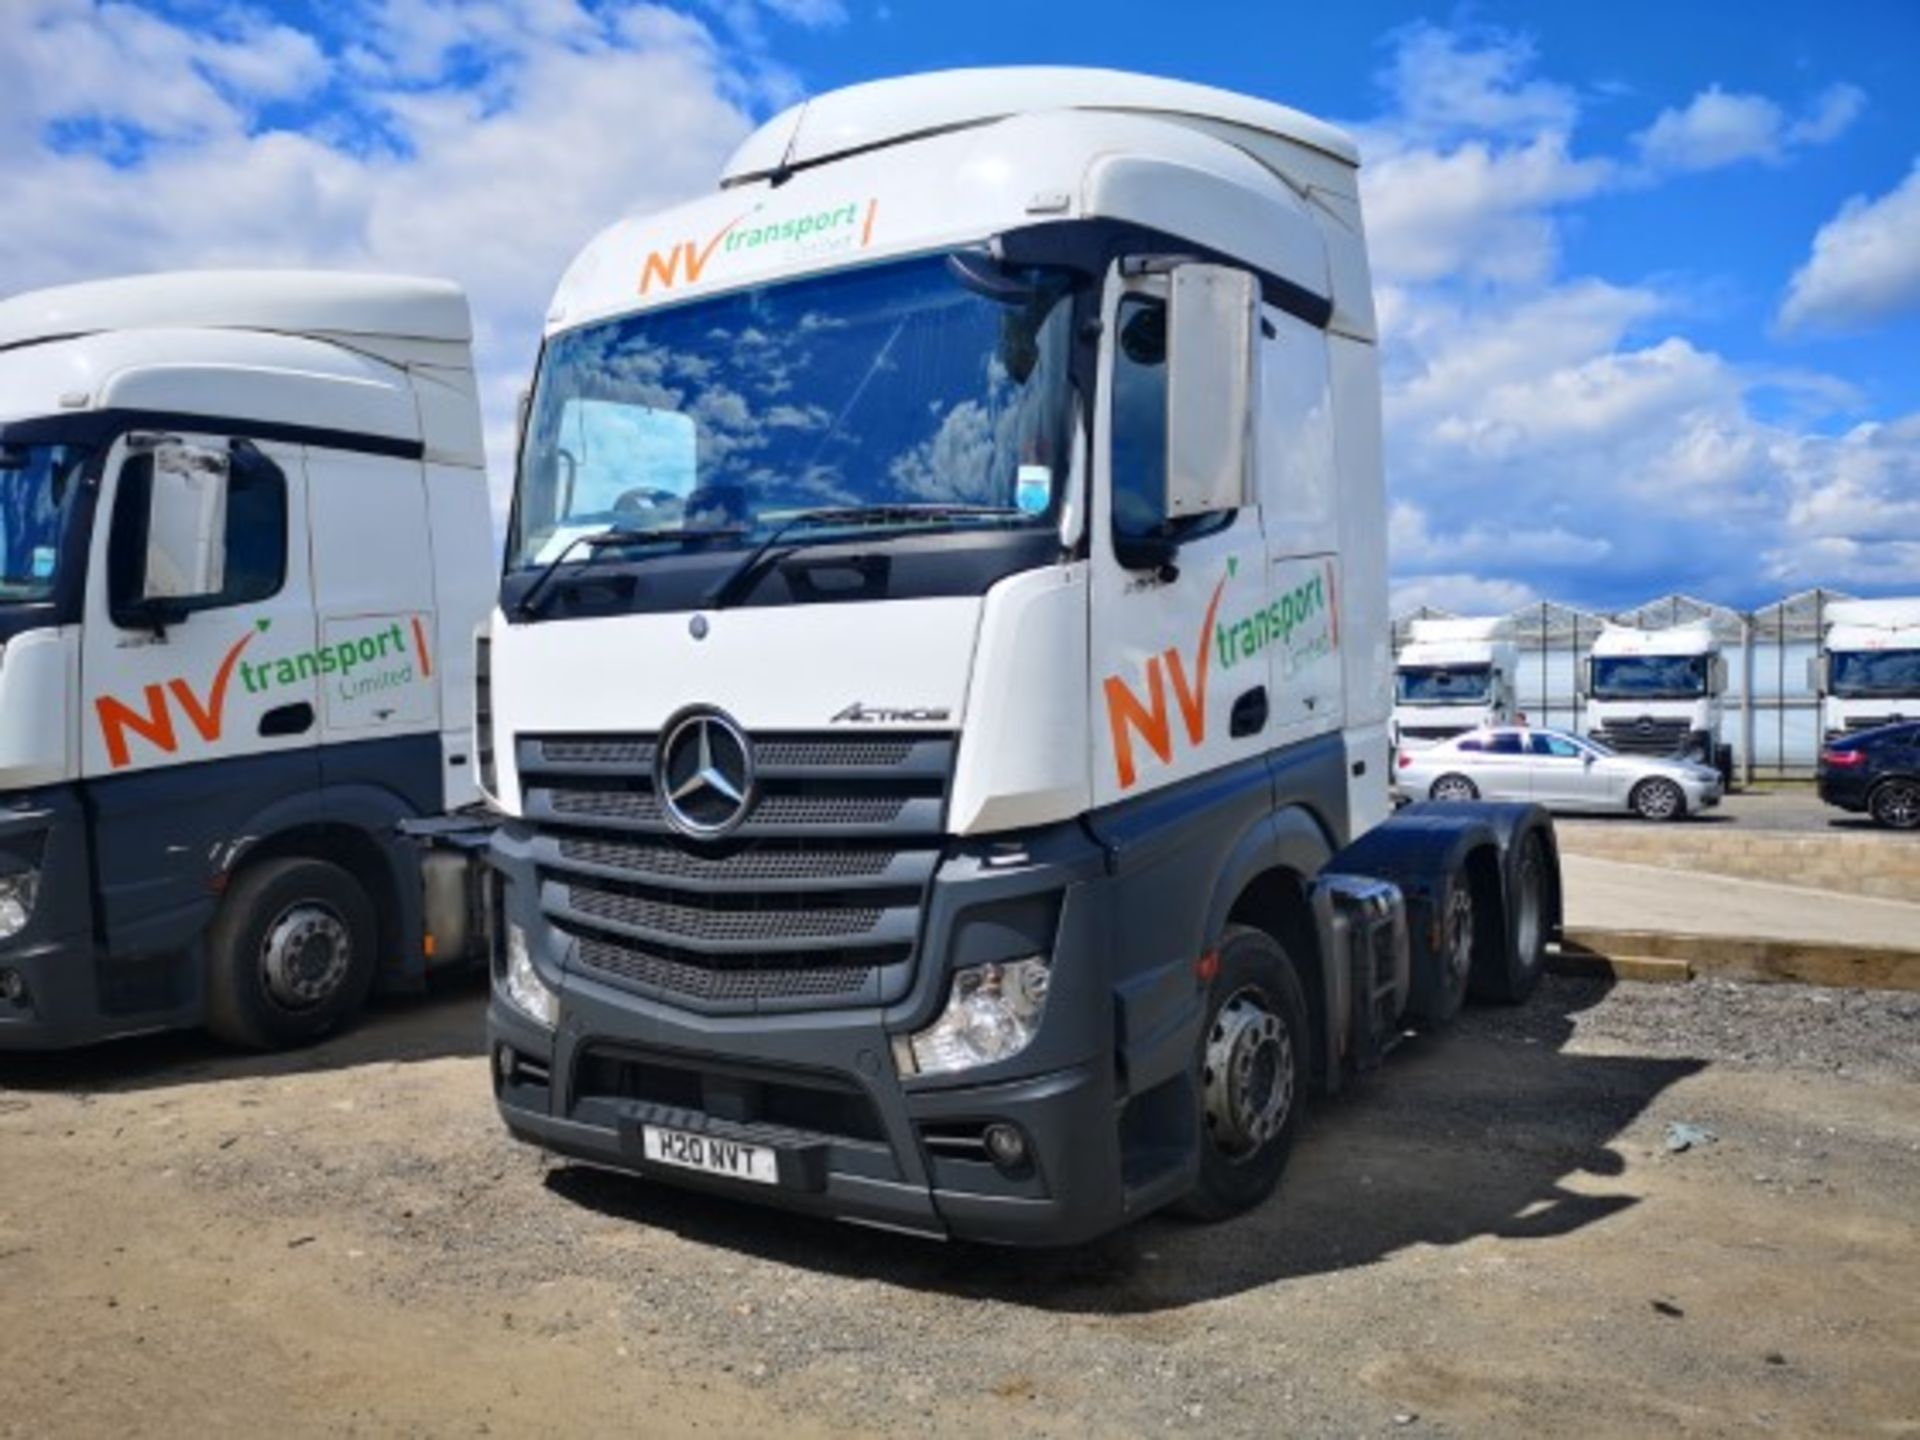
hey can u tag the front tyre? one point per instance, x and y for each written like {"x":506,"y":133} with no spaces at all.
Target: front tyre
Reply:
{"x":1454,"y":787}
{"x":1658,"y":800}
{"x":290,"y":955}
{"x":1253,"y":1064}
{"x":1896,"y":804}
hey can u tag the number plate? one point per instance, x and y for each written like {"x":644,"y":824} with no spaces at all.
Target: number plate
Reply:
{"x":710,"y":1155}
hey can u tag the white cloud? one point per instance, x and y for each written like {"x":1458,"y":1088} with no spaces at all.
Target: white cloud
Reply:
{"x":496,"y":138}
{"x":1720,"y":127}
{"x":1865,"y":265}
{"x":1460,"y":595}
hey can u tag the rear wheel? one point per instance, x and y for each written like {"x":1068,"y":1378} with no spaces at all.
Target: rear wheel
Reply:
{"x":1896,"y":804}
{"x":1440,"y":976}
{"x":290,"y":955}
{"x":1253,"y":1075}
{"x":1522,"y":959}
{"x":1658,"y":800}
{"x":1454,"y":787}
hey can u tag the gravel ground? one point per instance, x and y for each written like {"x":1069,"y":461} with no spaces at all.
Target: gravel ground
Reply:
{"x":1489,"y":1236}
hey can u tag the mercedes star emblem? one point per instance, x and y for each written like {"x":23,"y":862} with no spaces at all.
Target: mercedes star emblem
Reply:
{"x":704,"y":775}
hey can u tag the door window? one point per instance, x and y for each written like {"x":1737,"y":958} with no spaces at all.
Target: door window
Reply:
{"x":256,"y":538}
{"x":1139,"y":428}
{"x":1556,"y":747}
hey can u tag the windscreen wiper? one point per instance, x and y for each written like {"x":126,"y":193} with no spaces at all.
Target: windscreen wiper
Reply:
{"x":732,"y":584}
{"x":601,"y":541}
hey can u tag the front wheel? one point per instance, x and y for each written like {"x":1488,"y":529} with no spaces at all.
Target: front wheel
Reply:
{"x":1253,"y":1075}
{"x":1896,"y":804}
{"x":1454,"y":787}
{"x":1658,"y":800}
{"x":290,"y":955}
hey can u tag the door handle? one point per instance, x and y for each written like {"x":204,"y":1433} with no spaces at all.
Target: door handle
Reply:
{"x":294,"y":719}
{"x":1249,"y":713}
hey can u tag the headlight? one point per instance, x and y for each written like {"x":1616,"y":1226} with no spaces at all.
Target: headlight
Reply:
{"x":17,"y":892}
{"x":522,"y":985}
{"x":993,"y":1012}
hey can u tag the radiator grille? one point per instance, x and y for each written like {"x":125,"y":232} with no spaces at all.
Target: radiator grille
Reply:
{"x":814,"y":899}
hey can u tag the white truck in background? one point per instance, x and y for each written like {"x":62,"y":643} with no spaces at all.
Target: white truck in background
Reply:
{"x":1659,"y":692}
{"x":1453,"y":675}
{"x":1868,"y":671}
{"x":244,"y":543}
{"x":940,"y":688}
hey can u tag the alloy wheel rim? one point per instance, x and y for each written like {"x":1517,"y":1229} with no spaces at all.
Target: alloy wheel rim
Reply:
{"x":305,"y":955}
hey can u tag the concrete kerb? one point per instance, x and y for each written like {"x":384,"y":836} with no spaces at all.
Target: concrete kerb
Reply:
{"x":1656,"y":955}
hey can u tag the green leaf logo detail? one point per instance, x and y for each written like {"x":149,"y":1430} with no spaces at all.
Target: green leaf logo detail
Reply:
{"x":262,"y":625}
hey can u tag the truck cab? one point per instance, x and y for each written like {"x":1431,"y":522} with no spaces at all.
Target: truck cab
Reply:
{"x":1452,"y":676}
{"x":942,"y":649}
{"x":1659,"y":692}
{"x":244,"y":538}
{"x":1868,"y":672}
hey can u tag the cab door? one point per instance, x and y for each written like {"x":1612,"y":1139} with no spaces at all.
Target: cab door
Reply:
{"x":1172,"y":699}
{"x":198,"y":708}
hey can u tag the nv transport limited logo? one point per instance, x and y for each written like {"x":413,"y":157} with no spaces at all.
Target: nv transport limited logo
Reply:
{"x":818,"y":232}
{"x":1301,"y":626}
{"x":357,"y":668}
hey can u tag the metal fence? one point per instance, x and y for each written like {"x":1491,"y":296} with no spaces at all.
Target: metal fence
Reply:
{"x":1772,"y":712}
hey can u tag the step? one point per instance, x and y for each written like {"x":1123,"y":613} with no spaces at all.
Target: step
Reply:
{"x":1737,"y":957}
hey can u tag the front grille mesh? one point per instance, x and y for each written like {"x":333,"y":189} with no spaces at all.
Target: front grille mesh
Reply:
{"x":715,"y":926}
{"x":764,"y":862}
{"x":812,"y":901}
{"x":701,"y":982}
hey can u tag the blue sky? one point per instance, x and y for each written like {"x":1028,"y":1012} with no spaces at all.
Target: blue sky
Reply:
{"x":1649,"y":274}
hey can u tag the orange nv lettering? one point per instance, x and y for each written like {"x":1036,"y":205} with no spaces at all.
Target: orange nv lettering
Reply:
{"x":666,"y":270}
{"x":119,"y":721}
{"x":1234,"y":640}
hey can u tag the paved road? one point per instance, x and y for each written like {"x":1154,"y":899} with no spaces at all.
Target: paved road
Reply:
{"x":1614,"y":895}
{"x":1790,"y":808}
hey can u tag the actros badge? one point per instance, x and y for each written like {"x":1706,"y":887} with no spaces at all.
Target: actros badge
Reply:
{"x":862,"y":714}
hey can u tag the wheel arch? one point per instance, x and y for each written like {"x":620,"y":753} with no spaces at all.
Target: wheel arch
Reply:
{"x":356,"y":828}
{"x":1266,"y":884}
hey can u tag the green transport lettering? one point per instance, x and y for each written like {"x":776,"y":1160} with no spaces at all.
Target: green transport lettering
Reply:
{"x":1273,"y":623}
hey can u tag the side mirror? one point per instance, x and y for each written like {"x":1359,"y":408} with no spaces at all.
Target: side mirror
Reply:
{"x":1583,"y":678}
{"x":1717,"y":675}
{"x":1817,"y":674}
{"x":522,"y":410}
{"x":1212,"y":327}
{"x":186,"y":525}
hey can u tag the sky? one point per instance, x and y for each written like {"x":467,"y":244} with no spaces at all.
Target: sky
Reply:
{"x":1648,"y":274}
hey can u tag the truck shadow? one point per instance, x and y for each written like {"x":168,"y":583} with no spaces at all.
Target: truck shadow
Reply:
{"x":1491,"y":1131}
{"x":448,"y":1021}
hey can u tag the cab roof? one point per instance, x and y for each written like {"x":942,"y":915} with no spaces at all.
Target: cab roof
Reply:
{"x":865,"y":117}
{"x":300,"y":302}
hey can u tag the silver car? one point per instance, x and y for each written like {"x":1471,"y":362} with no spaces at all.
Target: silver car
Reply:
{"x":1557,"y":770}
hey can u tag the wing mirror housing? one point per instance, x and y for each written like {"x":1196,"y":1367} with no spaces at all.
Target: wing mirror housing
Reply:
{"x":1817,"y":674}
{"x":1213,"y":326}
{"x":186,"y":552}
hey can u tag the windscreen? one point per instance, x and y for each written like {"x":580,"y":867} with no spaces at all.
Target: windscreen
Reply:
{"x":1649,"y":677}
{"x":1444,"y":684}
{"x":38,"y":484}
{"x":1857,"y":674}
{"x":915,"y":383}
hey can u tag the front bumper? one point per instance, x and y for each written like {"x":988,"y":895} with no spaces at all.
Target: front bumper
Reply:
{"x":854,"y":1139}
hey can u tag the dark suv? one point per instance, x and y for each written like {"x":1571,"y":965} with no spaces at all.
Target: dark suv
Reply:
{"x":1877,"y":771}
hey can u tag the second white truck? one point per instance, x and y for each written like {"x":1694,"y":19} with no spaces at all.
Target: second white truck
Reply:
{"x":1452,"y":676}
{"x":244,"y":543}
{"x":1868,"y":671}
{"x":1659,"y":692}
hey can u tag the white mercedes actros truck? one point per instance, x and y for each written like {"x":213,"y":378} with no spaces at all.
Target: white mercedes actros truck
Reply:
{"x":1659,"y":692}
{"x":1452,"y":676}
{"x":1868,"y":671}
{"x":244,"y":545}
{"x":941,"y":677}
